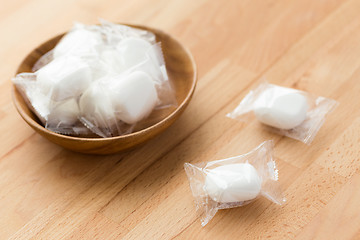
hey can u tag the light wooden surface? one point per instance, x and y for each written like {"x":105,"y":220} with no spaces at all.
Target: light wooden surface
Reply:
{"x":51,"y":193}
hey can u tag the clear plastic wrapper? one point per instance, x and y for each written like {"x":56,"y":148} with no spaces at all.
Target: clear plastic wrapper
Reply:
{"x":57,"y":116}
{"x":234,"y":182}
{"x":99,"y":79}
{"x":63,"y":118}
{"x":43,"y":60}
{"x":37,"y":101}
{"x":285,"y":111}
{"x":130,"y":95}
{"x":116,"y":32}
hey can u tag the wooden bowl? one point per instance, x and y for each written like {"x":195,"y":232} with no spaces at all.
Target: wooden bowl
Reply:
{"x":181,"y":69}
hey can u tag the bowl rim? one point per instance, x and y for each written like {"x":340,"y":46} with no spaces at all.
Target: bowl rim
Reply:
{"x":35,"y":124}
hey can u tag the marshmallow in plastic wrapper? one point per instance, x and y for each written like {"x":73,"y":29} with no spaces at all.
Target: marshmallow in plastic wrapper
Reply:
{"x":87,"y":40}
{"x":234,"y":182}
{"x":60,"y":117}
{"x":101,"y":79}
{"x":115,"y":103}
{"x":285,"y":111}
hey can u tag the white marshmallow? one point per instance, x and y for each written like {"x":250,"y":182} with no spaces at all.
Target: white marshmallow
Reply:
{"x":95,"y":104}
{"x":66,"y":113}
{"x":64,"y":78}
{"x":233,"y":183}
{"x":134,"y":97}
{"x":280,"y":107}
{"x":111,"y":60}
{"x":40,"y":104}
{"x":133,"y":51}
{"x":78,"y":42}
{"x":154,"y":64}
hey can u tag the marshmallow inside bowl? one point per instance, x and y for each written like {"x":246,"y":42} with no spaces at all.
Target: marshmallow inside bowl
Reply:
{"x":181,"y":71}
{"x":112,"y":73}
{"x":64,"y":77}
{"x":134,"y":97}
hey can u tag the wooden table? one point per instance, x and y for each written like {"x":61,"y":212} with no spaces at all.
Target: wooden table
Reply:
{"x":51,"y":193}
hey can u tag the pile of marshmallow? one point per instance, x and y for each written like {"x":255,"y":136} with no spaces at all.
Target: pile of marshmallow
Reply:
{"x":100,"y":79}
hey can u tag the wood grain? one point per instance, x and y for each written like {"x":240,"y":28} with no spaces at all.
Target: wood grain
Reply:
{"x":51,"y":193}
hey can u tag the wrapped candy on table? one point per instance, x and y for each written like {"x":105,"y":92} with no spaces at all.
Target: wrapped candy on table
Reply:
{"x":234,"y":182}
